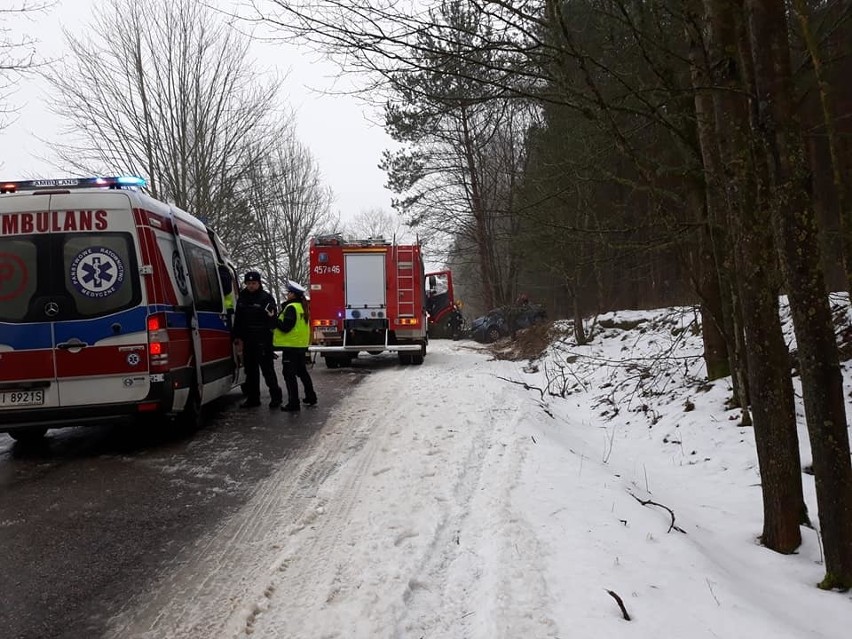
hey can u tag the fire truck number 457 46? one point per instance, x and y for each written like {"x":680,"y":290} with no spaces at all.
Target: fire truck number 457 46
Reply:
{"x":322,"y":270}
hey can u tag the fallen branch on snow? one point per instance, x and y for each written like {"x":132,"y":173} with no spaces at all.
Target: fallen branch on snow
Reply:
{"x":648,"y":502}
{"x":620,"y":603}
{"x":524,"y":384}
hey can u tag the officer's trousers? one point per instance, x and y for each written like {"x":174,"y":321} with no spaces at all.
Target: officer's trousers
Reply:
{"x":257,"y":359}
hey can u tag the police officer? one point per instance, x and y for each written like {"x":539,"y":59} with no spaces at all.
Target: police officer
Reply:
{"x":292,"y":335}
{"x":254,"y":318}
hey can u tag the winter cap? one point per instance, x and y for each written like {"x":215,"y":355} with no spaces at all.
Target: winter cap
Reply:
{"x":252,"y":276}
{"x":295,"y":288}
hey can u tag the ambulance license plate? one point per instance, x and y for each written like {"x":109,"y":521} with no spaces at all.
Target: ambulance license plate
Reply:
{"x":327,"y":329}
{"x":21,"y":398}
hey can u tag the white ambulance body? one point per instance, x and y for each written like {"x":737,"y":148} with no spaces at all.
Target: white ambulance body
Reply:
{"x":112,"y":305}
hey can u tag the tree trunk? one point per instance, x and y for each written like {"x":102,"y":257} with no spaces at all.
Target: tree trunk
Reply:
{"x":798,"y":242}
{"x":715,"y":347}
{"x":838,"y":170}
{"x":726,"y":319}
{"x":483,"y":243}
{"x":575,"y":288}
{"x":741,"y":389}
{"x":706,"y":283}
{"x":770,"y":386}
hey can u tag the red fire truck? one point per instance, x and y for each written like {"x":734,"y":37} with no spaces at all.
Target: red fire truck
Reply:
{"x":367,"y":295}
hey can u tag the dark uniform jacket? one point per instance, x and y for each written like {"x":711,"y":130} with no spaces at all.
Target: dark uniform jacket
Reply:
{"x":251,"y":320}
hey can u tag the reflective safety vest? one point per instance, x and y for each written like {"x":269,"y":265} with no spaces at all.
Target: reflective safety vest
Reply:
{"x":229,"y":302}
{"x":299,"y":336}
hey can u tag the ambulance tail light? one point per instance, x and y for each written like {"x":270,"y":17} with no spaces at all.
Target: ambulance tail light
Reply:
{"x":158,"y":343}
{"x":408,"y":321}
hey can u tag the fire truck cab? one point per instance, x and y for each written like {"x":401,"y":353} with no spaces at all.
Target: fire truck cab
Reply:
{"x":112,"y":305}
{"x":441,"y":305}
{"x":366,"y":295}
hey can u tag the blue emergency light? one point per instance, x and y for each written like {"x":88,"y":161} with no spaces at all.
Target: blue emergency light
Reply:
{"x":116,"y":182}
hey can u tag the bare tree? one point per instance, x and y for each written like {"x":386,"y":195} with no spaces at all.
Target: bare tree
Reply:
{"x":748,"y":216}
{"x":468,"y":58}
{"x":376,"y":222}
{"x":833,"y":139}
{"x":17,"y":51}
{"x":462,"y":154}
{"x":288,"y":204}
{"x":166,"y":89}
{"x":427,"y":66}
{"x":798,"y":247}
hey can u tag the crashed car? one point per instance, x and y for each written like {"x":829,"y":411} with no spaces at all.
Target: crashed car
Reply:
{"x":498,"y":322}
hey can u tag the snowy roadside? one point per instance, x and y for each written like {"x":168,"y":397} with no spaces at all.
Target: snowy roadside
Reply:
{"x":447,"y":501}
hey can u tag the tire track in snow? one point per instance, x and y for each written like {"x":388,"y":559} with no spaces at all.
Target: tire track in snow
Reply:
{"x":312,"y":575}
{"x":361,"y":593}
{"x":455,"y":571}
{"x":207,"y":594}
{"x":427,"y":600}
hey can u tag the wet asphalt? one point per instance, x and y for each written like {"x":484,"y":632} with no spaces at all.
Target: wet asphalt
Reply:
{"x":92,"y":515}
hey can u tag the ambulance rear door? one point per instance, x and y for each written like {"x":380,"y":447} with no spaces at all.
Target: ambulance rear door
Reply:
{"x":27,"y":365}
{"x":99,"y":324}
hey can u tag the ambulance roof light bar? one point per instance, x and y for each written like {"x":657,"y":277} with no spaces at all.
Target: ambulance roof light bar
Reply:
{"x":115,"y":182}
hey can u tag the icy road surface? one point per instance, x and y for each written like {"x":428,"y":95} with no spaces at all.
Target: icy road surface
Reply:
{"x":360,"y":537}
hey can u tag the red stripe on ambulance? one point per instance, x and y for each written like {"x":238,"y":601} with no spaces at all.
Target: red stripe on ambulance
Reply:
{"x":26,"y":365}
{"x":190,"y":231}
{"x":102,"y":360}
{"x":218,"y":348}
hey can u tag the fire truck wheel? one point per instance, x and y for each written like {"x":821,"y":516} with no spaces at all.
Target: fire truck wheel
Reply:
{"x":417,"y":358}
{"x":404,"y":358}
{"x":337,"y":362}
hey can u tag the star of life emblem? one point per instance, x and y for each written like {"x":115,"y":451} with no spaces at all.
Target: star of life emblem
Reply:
{"x":97,"y":272}
{"x":180,"y":277}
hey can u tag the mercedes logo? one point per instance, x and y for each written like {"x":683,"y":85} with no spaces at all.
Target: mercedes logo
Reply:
{"x":51,"y":309}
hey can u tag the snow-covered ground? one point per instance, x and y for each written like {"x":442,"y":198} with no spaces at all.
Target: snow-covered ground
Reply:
{"x":478,"y":498}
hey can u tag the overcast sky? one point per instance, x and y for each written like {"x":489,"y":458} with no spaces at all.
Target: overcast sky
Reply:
{"x":337,"y":130}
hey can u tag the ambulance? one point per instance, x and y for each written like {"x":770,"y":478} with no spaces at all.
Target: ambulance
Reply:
{"x":113,"y":305}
